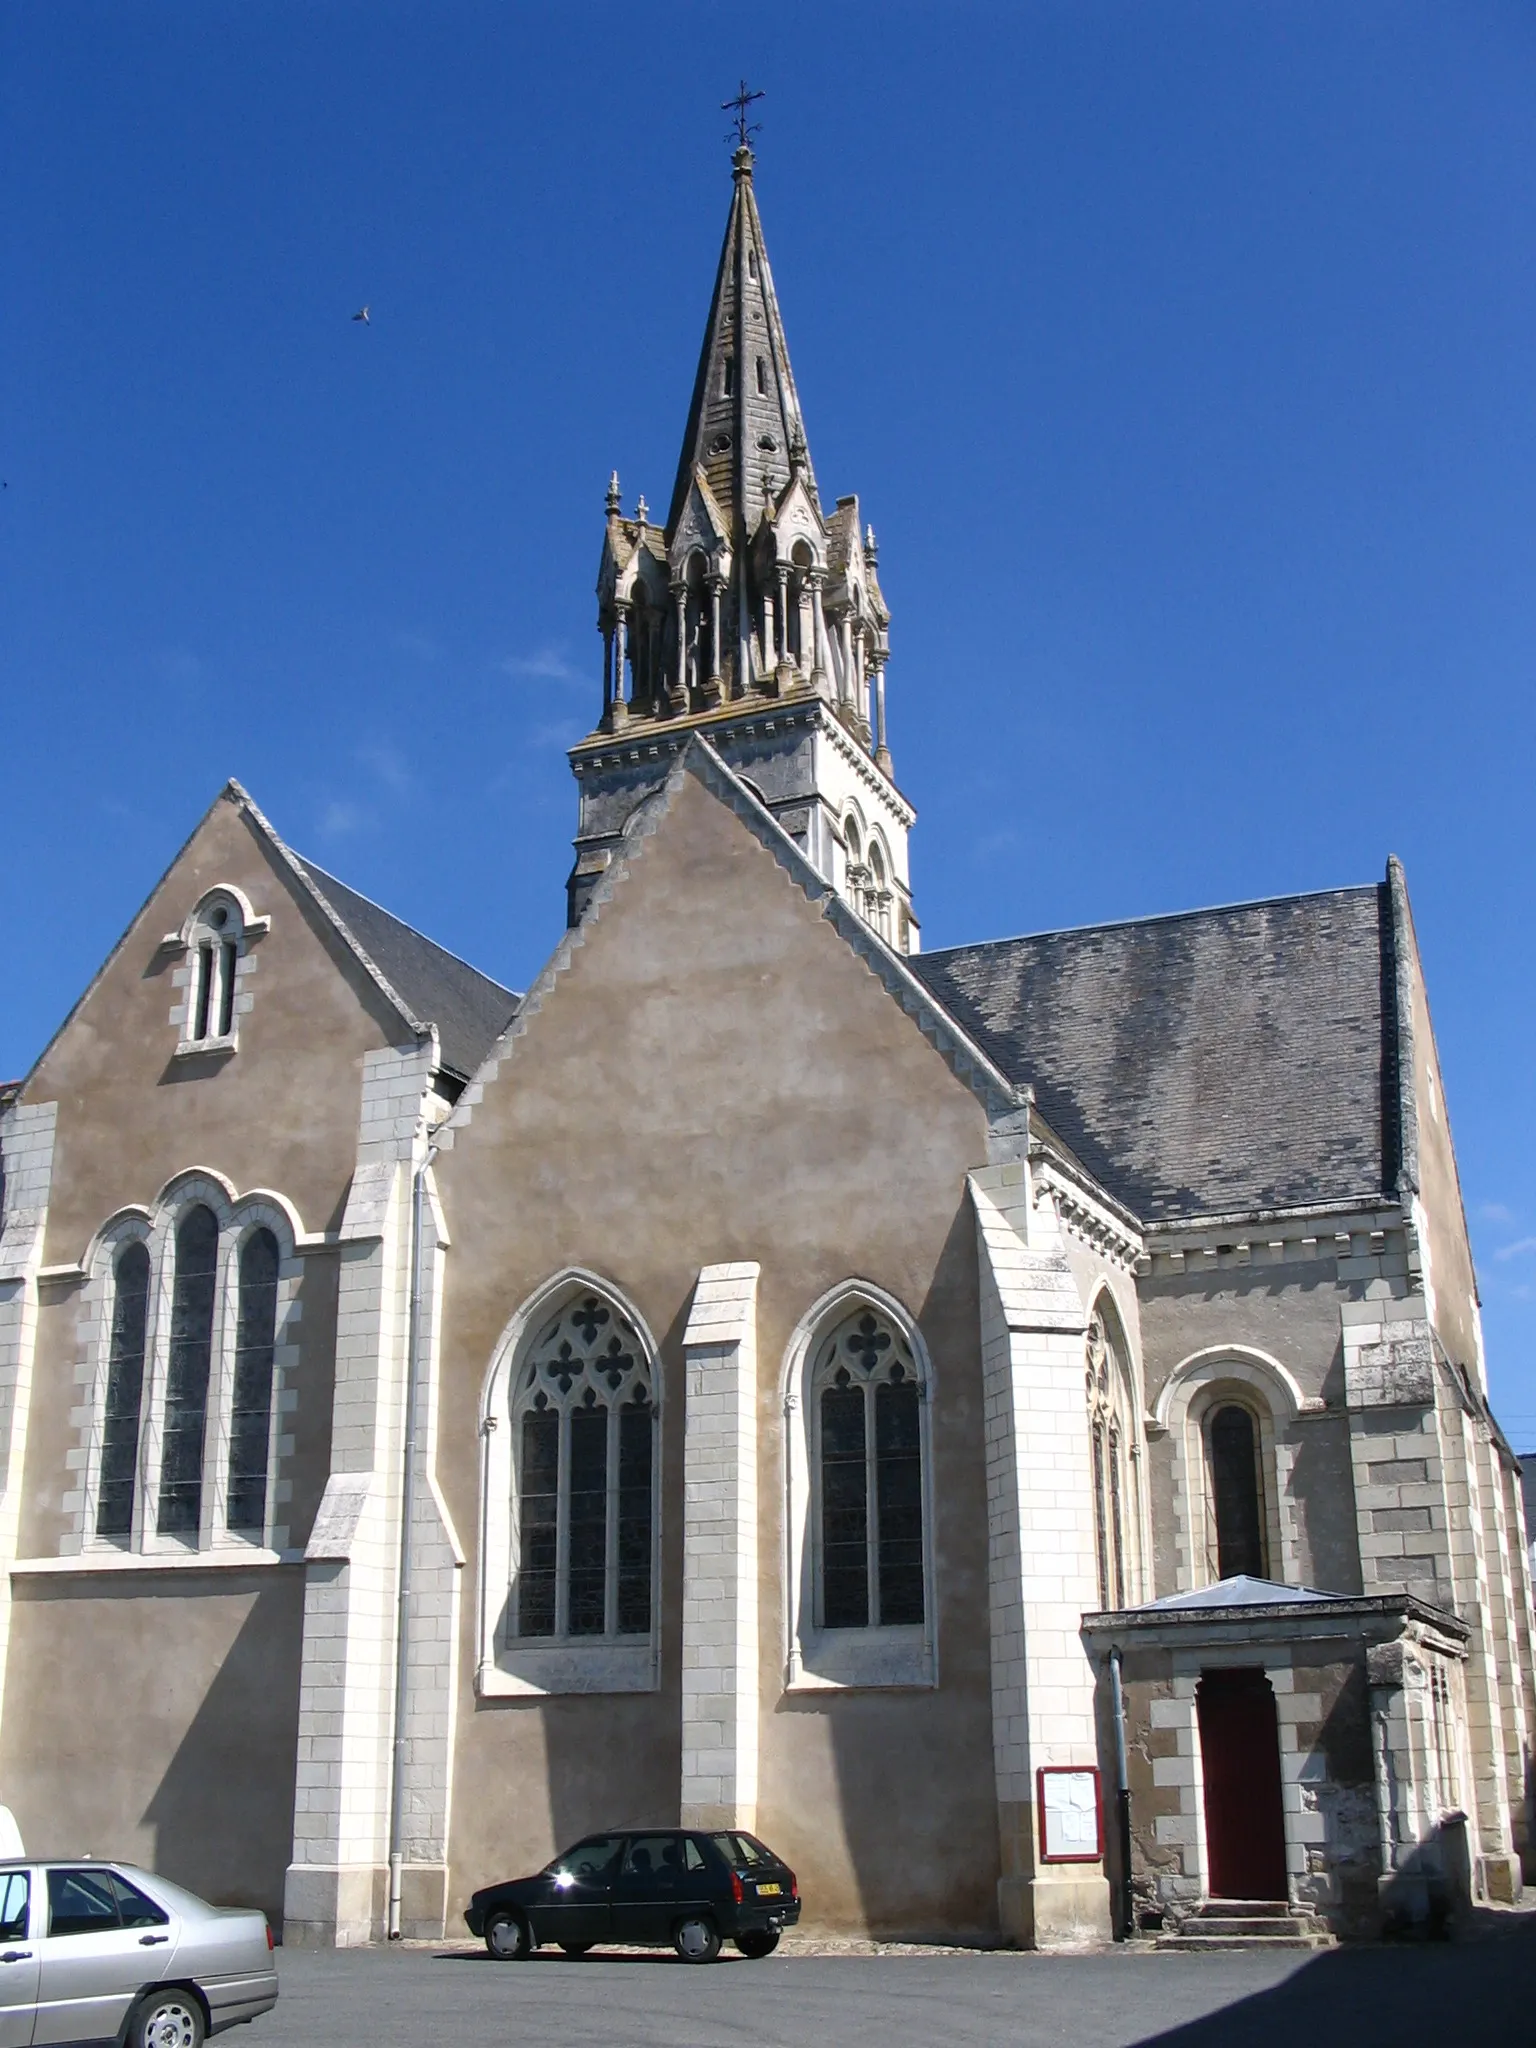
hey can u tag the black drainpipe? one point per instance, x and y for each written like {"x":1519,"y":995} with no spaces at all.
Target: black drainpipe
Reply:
{"x":1122,"y":1799}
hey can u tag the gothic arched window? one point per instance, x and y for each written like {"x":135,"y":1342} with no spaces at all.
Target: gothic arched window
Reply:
{"x":584,"y":1430}
{"x":1236,"y":1490}
{"x":250,"y":1424}
{"x":868,"y":1440}
{"x":1113,"y":1445}
{"x":194,"y":1287}
{"x":125,"y":1391}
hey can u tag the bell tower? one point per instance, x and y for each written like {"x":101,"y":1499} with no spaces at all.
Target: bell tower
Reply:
{"x":752,"y":616}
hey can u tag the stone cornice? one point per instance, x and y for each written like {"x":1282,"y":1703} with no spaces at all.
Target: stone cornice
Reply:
{"x":646,"y":739}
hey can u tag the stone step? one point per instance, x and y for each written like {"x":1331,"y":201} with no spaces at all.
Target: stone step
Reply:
{"x":1247,"y":1909}
{"x":1228,"y":1944}
{"x":1246,"y":1923}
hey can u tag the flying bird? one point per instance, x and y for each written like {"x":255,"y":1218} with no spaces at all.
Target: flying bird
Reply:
{"x":361,"y":314}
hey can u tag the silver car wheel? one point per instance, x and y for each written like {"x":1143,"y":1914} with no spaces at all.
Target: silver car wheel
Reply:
{"x":174,"y":2023}
{"x":696,"y":1941}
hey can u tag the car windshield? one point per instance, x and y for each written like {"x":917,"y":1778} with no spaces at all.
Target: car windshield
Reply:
{"x":587,"y":1861}
{"x":741,"y":1849}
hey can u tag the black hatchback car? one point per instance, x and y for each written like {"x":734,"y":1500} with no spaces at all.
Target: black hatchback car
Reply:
{"x":675,"y":1885}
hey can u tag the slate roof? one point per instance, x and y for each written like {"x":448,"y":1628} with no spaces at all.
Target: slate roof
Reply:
{"x":1218,"y":1061}
{"x":469,"y":1009}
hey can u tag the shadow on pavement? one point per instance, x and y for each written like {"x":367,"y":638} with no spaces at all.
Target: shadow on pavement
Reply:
{"x":1479,"y":1992}
{"x":597,"y":1955}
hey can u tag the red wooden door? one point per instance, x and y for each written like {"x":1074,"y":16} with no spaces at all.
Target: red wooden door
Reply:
{"x":1244,"y":1818}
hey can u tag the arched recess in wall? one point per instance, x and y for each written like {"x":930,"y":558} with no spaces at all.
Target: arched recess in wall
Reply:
{"x":1117,"y":1463}
{"x":570,"y":1496}
{"x":1228,"y":1412}
{"x":860,"y":1593}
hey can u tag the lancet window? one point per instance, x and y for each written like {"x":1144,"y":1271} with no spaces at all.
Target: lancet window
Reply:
{"x":1115,"y":1464}
{"x":866,"y":1395}
{"x":584,"y":1428}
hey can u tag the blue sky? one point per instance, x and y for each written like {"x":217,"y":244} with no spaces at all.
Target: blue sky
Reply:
{"x":1180,"y":353}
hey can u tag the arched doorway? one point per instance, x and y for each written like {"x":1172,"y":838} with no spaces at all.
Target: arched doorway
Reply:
{"x":1244,"y":1814}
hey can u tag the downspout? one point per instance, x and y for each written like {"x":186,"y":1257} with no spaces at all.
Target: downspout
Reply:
{"x":1122,"y":1797}
{"x":407,"y":1517}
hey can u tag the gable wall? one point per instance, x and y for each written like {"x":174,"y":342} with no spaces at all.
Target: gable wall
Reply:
{"x":718,"y":1077}
{"x":280,"y":1113}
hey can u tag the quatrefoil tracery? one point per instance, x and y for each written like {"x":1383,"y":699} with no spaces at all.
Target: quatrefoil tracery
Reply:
{"x":589,"y":1353}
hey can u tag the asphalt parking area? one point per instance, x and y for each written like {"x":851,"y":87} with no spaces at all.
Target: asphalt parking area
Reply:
{"x":408,"y":1997}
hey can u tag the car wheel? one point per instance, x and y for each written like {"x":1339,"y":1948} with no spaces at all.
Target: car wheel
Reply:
{"x":168,"y":2019}
{"x":696,"y":1940}
{"x":577,"y":1949}
{"x":762,"y":1942}
{"x":507,"y":1938}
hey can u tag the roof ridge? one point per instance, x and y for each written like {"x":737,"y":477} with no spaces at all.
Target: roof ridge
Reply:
{"x":314,"y":868}
{"x":1115,"y":924}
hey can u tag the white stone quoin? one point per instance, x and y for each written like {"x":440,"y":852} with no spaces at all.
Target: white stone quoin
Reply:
{"x":720,"y":1656}
{"x":1041,"y":1563}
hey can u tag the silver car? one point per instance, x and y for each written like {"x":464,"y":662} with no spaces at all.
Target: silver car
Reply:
{"x":104,"y":1952}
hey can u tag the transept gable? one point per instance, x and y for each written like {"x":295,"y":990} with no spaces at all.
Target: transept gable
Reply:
{"x":198,"y":865}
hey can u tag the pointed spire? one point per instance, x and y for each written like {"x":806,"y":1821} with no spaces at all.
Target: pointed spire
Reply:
{"x":615,"y":501}
{"x":744,"y":424}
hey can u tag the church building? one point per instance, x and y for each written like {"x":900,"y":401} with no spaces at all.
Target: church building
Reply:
{"x":1008,"y":1425}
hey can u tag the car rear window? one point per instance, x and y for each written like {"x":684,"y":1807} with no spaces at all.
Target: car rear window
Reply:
{"x":741,"y":1849}
{"x":81,"y":1902}
{"x":136,"y":1910}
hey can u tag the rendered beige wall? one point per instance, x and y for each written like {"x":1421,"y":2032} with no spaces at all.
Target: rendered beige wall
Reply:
{"x":156,"y":1719}
{"x":718,"y":1077}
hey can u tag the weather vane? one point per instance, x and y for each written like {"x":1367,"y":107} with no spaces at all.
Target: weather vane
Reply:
{"x":738,"y":107}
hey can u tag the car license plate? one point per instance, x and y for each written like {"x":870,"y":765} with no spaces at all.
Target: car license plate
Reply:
{"x":769,"y":1890}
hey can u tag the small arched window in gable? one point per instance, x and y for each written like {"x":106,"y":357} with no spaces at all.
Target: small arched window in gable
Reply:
{"x":584,"y":1425}
{"x":193,"y":1292}
{"x":1236,"y":1490}
{"x":216,"y":938}
{"x":250,"y":1423}
{"x":125,"y":1391}
{"x":869,"y":1458}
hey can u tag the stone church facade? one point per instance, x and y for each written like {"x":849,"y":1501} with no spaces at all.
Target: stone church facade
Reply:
{"x":1007,"y":1424}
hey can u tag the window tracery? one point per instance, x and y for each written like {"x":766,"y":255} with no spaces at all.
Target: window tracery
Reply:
{"x":1112,"y":1436}
{"x":861,"y":1600}
{"x":583,"y":1420}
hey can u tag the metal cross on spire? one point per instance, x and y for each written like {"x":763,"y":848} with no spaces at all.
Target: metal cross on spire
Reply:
{"x":738,"y":106}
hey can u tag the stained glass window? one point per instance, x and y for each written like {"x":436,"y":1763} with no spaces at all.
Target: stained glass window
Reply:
{"x":1236,"y":1501}
{"x":869,"y":1451}
{"x":585,"y":1433}
{"x":251,"y":1417}
{"x":186,"y":1390}
{"x":125,"y":1390}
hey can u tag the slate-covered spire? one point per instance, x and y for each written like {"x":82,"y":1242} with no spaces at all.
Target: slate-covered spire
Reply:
{"x":745,"y":429}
